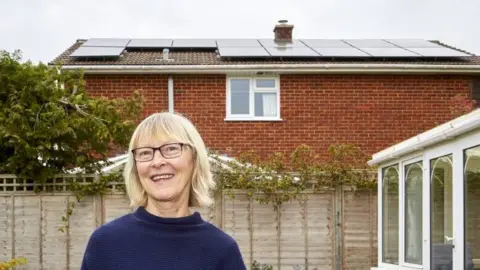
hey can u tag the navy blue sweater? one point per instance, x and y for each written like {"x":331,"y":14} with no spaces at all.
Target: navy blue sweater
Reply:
{"x":144,"y":241}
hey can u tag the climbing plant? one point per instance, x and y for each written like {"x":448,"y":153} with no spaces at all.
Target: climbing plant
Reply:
{"x":100,"y":186}
{"x":278,"y":178}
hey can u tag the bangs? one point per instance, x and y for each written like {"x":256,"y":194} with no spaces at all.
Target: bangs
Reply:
{"x":161,"y":127}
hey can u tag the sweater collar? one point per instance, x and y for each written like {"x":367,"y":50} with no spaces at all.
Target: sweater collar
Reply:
{"x":143,"y":214}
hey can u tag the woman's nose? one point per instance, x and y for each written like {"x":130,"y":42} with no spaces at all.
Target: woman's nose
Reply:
{"x":158,"y":159}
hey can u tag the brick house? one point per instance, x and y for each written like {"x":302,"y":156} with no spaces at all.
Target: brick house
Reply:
{"x":275,"y":94}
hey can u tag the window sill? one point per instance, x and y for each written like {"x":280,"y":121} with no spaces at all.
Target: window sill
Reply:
{"x":233,"y":119}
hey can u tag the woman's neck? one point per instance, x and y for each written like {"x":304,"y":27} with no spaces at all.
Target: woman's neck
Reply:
{"x":168,"y":209}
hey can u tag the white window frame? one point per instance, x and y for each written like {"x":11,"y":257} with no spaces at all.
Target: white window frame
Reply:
{"x":380,"y":214}
{"x":253,"y":89}
{"x":404,"y":163}
{"x":456,"y":149}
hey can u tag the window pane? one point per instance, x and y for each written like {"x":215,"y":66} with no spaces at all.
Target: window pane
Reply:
{"x":472,"y":202}
{"x":441,"y":221}
{"x":266,"y":104}
{"x":413,"y":213}
{"x":265,"y":83}
{"x":239,"y":96}
{"x":390,"y":214}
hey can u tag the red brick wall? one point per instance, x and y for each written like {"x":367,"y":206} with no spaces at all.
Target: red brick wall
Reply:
{"x":372,"y":111}
{"x":154,"y":88}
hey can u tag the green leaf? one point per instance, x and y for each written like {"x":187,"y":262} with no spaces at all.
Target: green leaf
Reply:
{"x":36,"y":114}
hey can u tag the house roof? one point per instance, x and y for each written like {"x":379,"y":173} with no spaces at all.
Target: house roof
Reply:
{"x":281,"y":53}
{"x":439,"y":134}
{"x":211,"y":57}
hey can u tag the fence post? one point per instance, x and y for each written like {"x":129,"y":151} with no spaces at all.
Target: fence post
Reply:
{"x":98,"y":206}
{"x":339,"y":227}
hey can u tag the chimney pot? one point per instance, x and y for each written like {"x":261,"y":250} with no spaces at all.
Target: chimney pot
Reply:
{"x":283,"y":31}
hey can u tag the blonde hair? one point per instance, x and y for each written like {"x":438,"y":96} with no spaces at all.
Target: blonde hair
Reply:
{"x":176,"y":127}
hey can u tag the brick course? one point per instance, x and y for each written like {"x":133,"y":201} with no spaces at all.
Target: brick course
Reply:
{"x":372,"y":111}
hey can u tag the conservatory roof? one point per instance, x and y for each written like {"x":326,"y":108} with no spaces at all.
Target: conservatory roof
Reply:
{"x":447,"y":131}
{"x":117,"y":162}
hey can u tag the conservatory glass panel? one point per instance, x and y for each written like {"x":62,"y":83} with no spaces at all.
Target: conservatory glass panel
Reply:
{"x":413,"y":213}
{"x":472,"y":206}
{"x":390,"y":213}
{"x":441,"y":215}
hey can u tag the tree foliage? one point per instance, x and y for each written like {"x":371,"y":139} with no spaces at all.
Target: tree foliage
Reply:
{"x":49,"y":124}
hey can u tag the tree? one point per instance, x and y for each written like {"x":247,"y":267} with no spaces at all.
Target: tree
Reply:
{"x":49,"y":124}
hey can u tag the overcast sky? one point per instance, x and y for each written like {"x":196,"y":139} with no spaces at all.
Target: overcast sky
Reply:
{"x":42,"y":29}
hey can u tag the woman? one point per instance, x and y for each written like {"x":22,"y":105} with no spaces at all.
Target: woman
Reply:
{"x":166,"y":173}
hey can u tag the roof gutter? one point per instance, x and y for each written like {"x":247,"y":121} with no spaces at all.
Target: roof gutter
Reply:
{"x":449,"y":130}
{"x":280,"y":68}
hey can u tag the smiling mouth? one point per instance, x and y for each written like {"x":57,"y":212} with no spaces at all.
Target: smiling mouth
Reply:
{"x":162,"y":177}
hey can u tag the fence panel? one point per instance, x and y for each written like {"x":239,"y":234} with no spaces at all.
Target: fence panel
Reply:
{"x":81,"y":223}
{"x":6,"y":227}
{"x":237,"y":222}
{"x":114,"y":206}
{"x":265,"y":234}
{"x":28,"y":230}
{"x":321,"y":232}
{"x":359,"y":230}
{"x":54,"y":249}
{"x":292,"y":235}
{"x":300,"y":235}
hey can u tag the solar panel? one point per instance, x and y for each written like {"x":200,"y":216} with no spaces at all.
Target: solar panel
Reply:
{"x":438,"y":52}
{"x":149,"y":43}
{"x":292,"y":52}
{"x":271,"y":43}
{"x":107,"y":42}
{"x":413,"y":43}
{"x":325,"y":43}
{"x":242,"y":51}
{"x":238,"y":43}
{"x":389,"y":52}
{"x":369,"y":43}
{"x":85,"y":51}
{"x":340,"y":52}
{"x":194,"y":43}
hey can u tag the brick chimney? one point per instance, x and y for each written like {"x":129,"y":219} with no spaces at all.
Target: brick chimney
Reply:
{"x":283,"y":31}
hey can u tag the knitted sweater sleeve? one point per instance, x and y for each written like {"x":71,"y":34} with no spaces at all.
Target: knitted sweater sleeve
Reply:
{"x":232,"y":260}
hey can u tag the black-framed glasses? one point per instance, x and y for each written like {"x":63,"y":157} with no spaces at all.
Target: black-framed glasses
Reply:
{"x":168,"y":151}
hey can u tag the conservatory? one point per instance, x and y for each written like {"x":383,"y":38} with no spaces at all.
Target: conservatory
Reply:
{"x":429,"y":199}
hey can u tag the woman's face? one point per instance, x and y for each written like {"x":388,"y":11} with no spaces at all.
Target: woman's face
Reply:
{"x":165,"y":176}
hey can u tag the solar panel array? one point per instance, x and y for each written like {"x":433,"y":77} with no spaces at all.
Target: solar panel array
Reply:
{"x":270,"y":48}
{"x":101,"y":47}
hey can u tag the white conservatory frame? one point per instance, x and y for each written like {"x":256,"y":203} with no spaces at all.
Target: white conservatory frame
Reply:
{"x":449,"y":138}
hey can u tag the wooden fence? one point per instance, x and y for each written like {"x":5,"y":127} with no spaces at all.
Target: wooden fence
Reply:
{"x":333,"y":229}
